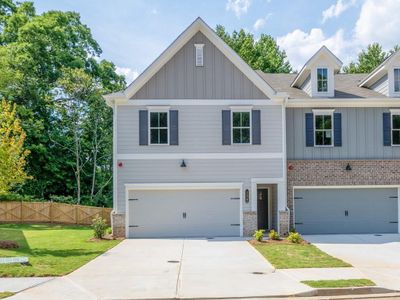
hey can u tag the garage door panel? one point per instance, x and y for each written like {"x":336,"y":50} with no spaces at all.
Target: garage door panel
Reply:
{"x":178,"y":213}
{"x":320,"y":211}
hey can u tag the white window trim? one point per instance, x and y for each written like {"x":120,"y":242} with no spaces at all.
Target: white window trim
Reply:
{"x":394,"y":81}
{"x":251,"y":127}
{"x":199,"y":47}
{"x":149,"y":127}
{"x":327,"y":80}
{"x":393,"y":112}
{"x":325,"y":112}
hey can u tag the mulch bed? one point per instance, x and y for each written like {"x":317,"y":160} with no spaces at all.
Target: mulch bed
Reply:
{"x":107,"y":237}
{"x":281,"y":241}
{"x":5,"y":244}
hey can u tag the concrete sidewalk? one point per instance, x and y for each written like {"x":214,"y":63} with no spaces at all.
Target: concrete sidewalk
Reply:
{"x":19,"y":284}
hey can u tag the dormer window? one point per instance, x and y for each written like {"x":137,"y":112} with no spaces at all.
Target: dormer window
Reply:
{"x":322,"y":80}
{"x":199,"y":55}
{"x":397,"y":80}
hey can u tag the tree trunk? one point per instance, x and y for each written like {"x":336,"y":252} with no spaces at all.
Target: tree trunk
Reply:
{"x":95,"y":150}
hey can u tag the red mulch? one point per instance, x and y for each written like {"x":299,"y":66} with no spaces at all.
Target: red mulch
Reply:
{"x":8,"y":244}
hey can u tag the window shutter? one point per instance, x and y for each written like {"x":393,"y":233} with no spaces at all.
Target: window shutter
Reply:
{"x":256,"y":127}
{"x":143,"y":127}
{"x":337,"y":130}
{"x":226,"y":127}
{"x":387,"y":141}
{"x":173,"y":127}
{"x":309,"y":130}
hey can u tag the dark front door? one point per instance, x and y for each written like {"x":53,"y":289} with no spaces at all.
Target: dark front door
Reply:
{"x":262,"y":209}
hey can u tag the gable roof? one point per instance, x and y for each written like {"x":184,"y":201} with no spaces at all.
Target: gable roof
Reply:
{"x":305,"y":70}
{"x":379,"y":71}
{"x":180,"y":41}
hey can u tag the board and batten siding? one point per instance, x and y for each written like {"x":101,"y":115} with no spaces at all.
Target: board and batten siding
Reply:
{"x":362,"y":136}
{"x":200,"y":131}
{"x":219,"y":78}
{"x":197,"y":170}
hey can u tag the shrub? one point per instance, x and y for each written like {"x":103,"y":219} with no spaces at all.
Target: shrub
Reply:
{"x":294,"y":237}
{"x":259,"y":234}
{"x":99,"y":226}
{"x":273,"y":235}
{"x":109,"y":230}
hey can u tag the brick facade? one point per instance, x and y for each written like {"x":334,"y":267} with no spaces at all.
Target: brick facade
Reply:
{"x":333,"y":172}
{"x":118,"y":224}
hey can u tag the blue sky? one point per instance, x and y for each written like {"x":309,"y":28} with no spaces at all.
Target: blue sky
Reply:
{"x":132,"y":33}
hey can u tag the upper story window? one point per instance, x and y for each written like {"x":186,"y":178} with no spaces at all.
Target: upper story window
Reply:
{"x":397,"y":80}
{"x":396,"y":129}
{"x":159,"y":128}
{"x":322,"y":80}
{"x":199,"y":55}
{"x":241,"y":128}
{"x":323,"y":128}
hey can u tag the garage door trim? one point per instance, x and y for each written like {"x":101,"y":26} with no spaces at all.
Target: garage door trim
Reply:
{"x":183,"y":186}
{"x":317,"y":187}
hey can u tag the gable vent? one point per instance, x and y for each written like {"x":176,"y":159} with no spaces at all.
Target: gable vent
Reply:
{"x":199,"y":55}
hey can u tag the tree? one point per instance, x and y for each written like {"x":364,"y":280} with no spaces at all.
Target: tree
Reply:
{"x":12,"y":152}
{"x":263,"y":54}
{"x":369,"y":59}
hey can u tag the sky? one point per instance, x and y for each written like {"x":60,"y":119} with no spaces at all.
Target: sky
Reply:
{"x":132,"y":33}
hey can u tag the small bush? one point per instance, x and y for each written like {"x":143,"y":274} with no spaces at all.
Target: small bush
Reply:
{"x":259,"y":234}
{"x":99,"y":226}
{"x":292,"y":229}
{"x":273,"y":235}
{"x":109,"y":230}
{"x":294,"y":237}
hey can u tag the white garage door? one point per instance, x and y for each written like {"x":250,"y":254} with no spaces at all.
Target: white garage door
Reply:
{"x":184,"y":213}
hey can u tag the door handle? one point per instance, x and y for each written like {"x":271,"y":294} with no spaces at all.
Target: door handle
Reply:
{"x":346,"y":213}
{"x":184,"y":215}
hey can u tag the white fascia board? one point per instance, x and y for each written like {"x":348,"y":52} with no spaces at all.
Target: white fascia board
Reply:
{"x":116,"y":98}
{"x":350,"y":102}
{"x":180,"y":156}
{"x":197,"y":102}
{"x":373,"y":77}
{"x":184,"y":186}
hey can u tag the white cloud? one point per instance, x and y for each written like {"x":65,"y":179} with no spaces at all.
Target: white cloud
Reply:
{"x":335,"y":10}
{"x":378,"y":22}
{"x":300,"y":45}
{"x":130,"y":75}
{"x":260,"y":23}
{"x":239,"y":7}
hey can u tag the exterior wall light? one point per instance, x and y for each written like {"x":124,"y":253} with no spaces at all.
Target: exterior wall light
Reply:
{"x":348,"y":167}
{"x":183,"y":164}
{"x":247,"y":196}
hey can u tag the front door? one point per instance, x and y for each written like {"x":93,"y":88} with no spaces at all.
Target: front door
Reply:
{"x":262,"y":209}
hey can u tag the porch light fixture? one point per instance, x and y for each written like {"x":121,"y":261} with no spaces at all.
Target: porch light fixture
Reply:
{"x":348,"y":167}
{"x":246,"y":196}
{"x":183,"y":164}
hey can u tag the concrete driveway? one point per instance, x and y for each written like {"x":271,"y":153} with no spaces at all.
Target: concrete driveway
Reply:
{"x":171,"y":268}
{"x":376,"y":256}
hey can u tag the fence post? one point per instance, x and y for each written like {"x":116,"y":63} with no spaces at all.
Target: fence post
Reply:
{"x":20,"y":211}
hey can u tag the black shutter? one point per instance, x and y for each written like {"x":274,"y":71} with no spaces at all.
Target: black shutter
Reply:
{"x":309,"y":130}
{"x":226,"y":127}
{"x":387,"y":140}
{"x":337,"y":130}
{"x":143,"y":127}
{"x":256,"y":127}
{"x":173,"y":128}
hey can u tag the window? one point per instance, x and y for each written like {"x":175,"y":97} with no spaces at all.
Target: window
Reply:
{"x":158,"y":128}
{"x":199,"y":55}
{"x":323,"y":129}
{"x":241,"y":129}
{"x":397,"y":80}
{"x":396,"y":129}
{"x":322,"y":80}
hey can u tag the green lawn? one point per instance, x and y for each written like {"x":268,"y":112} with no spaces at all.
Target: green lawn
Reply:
{"x":5,"y":294}
{"x":52,"y":249}
{"x":288,"y":256}
{"x":341,"y":283}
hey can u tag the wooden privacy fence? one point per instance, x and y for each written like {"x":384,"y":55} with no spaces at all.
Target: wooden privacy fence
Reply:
{"x":50,"y":212}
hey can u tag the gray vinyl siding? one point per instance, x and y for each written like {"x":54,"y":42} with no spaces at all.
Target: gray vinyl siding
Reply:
{"x":200,"y":130}
{"x":362,"y":136}
{"x":219,"y":78}
{"x":197,"y":170}
{"x":306,"y":87}
{"x":382,"y":85}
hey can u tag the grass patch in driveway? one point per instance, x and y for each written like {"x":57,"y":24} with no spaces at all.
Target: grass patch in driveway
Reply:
{"x":286,"y":255}
{"x":53,"y":250}
{"x":5,"y":294}
{"x":341,"y":283}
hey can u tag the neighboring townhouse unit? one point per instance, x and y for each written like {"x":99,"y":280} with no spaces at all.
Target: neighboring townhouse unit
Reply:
{"x":206,"y":146}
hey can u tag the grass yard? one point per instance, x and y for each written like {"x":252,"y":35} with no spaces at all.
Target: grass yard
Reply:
{"x":5,"y":294}
{"x":341,"y":283}
{"x":284,"y":255}
{"x":52,"y":249}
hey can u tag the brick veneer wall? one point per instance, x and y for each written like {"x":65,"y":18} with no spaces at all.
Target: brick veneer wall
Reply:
{"x":118,"y":224}
{"x":333,"y":172}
